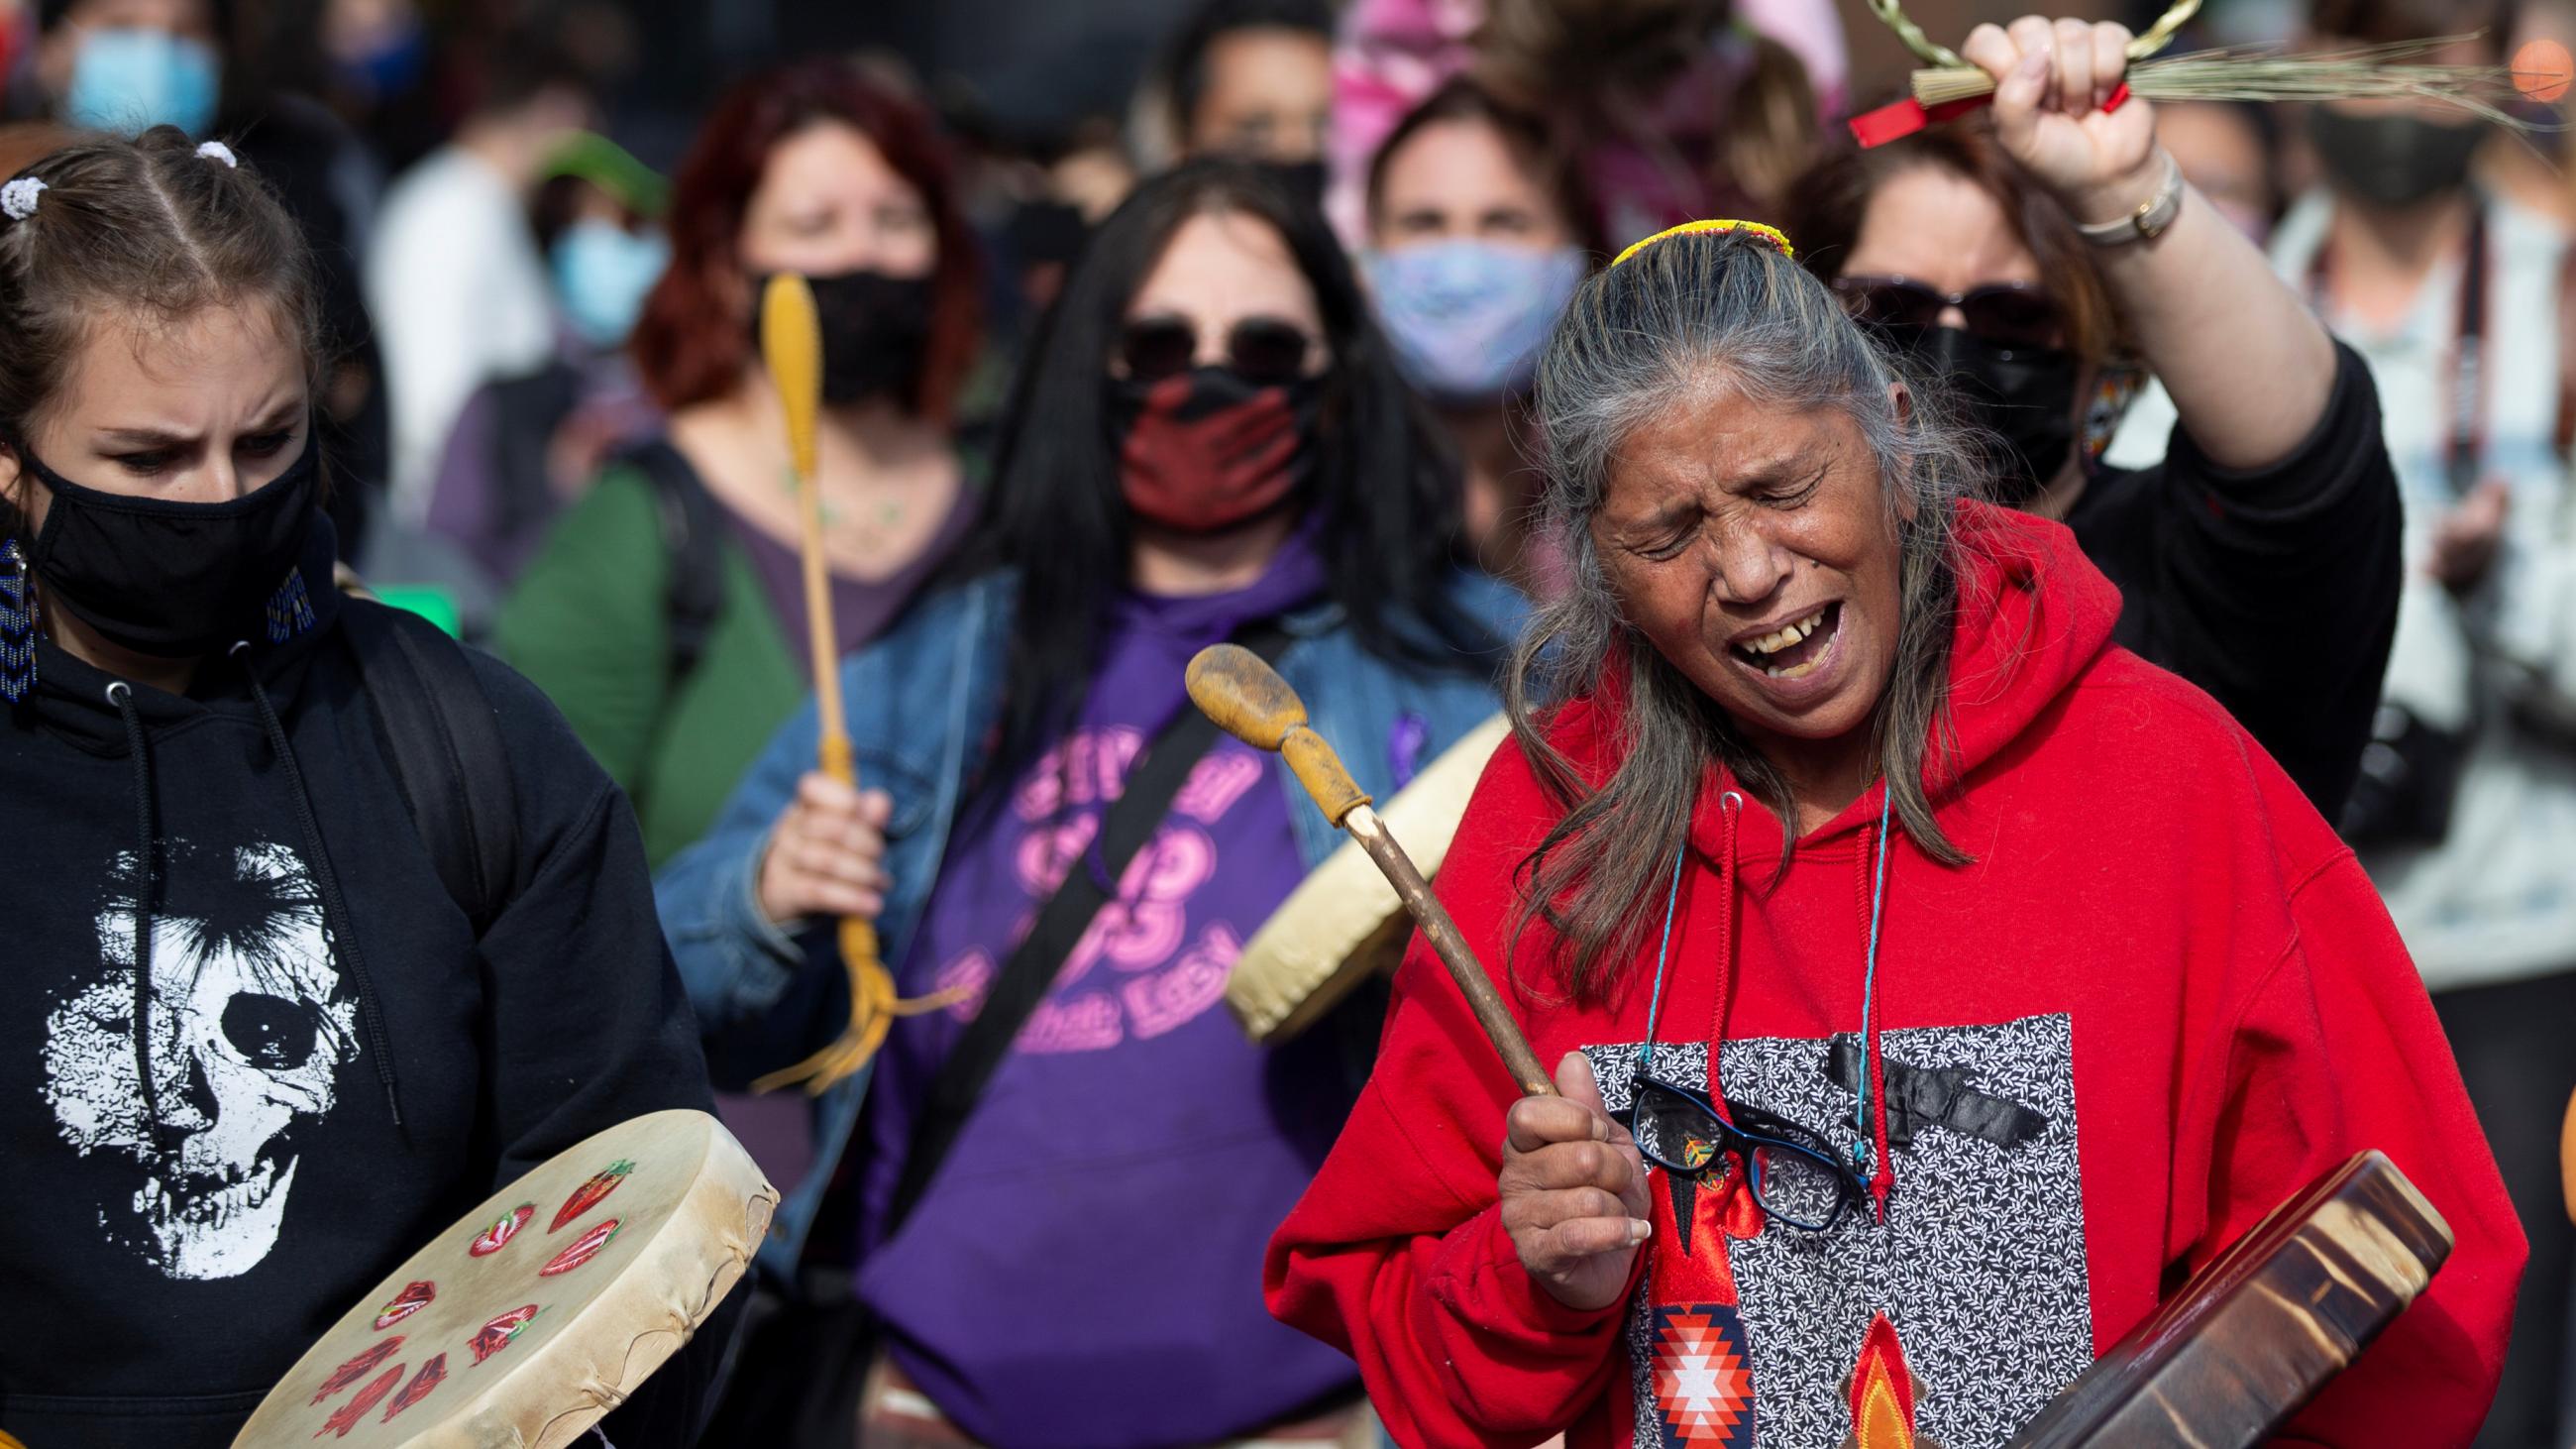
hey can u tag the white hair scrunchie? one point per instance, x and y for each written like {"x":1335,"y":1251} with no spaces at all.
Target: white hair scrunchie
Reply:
{"x":18,"y":198}
{"x":218,"y":151}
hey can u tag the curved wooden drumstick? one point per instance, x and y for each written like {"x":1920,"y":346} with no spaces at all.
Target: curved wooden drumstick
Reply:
{"x":1249,"y":701}
{"x":791,"y":344}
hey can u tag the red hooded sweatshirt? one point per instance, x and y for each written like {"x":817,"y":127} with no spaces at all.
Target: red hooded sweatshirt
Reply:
{"x":2160,"y":999}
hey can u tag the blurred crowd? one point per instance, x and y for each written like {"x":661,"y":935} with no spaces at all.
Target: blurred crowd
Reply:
{"x":540,"y":235}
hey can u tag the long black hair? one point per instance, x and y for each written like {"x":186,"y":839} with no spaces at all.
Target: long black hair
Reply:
{"x":1382,"y":483}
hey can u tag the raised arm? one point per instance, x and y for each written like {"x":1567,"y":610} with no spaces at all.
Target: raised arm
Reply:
{"x":2248,"y":366}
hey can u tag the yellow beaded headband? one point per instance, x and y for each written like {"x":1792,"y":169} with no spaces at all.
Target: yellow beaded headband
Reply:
{"x":1771,"y":234}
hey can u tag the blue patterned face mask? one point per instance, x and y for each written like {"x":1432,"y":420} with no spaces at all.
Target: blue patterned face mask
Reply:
{"x":602,"y":273}
{"x":129,"y":81}
{"x":1467,"y":317}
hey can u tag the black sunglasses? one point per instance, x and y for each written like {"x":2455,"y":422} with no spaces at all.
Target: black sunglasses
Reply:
{"x":1793,"y":1172}
{"x":2008,"y":314}
{"x":1267,"y":351}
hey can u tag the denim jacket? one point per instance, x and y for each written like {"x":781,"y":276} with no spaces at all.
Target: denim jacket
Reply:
{"x":923,"y":704}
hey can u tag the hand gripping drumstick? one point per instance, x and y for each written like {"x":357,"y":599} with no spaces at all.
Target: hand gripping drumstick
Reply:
{"x":1249,"y":701}
{"x":791,"y":344}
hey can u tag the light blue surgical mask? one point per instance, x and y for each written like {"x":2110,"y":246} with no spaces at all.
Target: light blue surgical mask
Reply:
{"x":129,"y":81}
{"x":602,"y":273}
{"x":1467,"y":318}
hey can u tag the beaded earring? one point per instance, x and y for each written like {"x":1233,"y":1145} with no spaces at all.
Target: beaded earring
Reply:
{"x":290,"y":609}
{"x":17,"y":624}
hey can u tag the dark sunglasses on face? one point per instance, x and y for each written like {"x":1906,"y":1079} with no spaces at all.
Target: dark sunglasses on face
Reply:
{"x":1793,"y":1173}
{"x":2008,"y":314}
{"x":1266,"y":351}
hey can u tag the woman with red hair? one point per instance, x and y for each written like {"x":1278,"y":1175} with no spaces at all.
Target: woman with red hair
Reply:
{"x":665,"y":615}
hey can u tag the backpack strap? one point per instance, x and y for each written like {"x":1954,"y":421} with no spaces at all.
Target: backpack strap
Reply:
{"x":693,"y":530}
{"x":444,"y":740}
{"x":1017,"y":990}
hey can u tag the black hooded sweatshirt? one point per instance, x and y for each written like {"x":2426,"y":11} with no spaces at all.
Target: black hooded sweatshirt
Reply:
{"x":166,"y":1255}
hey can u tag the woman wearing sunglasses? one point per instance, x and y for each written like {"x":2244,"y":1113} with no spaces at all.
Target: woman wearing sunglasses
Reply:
{"x":1210,"y":442}
{"x":1933,"y":983}
{"x":2260,"y":560}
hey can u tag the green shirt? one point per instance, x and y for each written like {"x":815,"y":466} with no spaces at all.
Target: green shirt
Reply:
{"x":590,"y":624}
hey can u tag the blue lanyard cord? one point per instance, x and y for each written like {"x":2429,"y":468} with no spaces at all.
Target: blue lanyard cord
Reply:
{"x":1869,"y":996}
{"x":1663,"y":949}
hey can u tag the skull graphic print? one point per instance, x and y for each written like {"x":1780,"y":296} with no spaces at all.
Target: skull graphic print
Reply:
{"x":246,"y":1030}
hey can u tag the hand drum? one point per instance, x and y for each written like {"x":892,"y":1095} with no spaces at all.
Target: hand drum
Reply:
{"x":526,"y":1322}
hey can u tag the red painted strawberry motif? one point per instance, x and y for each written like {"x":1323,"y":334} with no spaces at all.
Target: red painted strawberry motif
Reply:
{"x":495,"y":1336}
{"x":592,"y":1193}
{"x":580,"y":1250}
{"x":498,"y":1236}
{"x":431,"y":1375}
{"x":413,"y":1298}
{"x":359,"y":1367}
{"x":347,"y":1416}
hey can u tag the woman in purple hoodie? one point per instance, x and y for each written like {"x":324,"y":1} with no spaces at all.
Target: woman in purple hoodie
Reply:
{"x":1211,"y":442}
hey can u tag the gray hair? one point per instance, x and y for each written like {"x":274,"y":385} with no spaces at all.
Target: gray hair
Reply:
{"x":1653,"y":333}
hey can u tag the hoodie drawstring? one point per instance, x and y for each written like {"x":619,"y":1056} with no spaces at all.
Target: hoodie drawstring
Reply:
{"x":335,"y":909}
{"x":1728,"y":806}
{"x":1869,"y":1114}
{"x":121,"y":695}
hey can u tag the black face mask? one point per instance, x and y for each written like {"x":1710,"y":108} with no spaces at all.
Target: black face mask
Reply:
{"x":1303,"y":180}
{"x":2024,"y":395}
{"x":2393,"y":160}
{"x":172,"y":580}
{"x":876,"y":333}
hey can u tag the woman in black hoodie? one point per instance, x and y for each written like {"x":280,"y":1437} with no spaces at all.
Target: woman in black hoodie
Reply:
{"x":260,"y":1035}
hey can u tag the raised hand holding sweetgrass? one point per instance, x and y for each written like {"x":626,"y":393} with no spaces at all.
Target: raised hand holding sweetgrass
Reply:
{"x":2051,"y":80}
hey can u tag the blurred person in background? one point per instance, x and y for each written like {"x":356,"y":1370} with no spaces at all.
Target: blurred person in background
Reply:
{"x":454,"y":278}
{"x":1093,"y":173}
{"x":1209,"y":442}
{"x":1040,"y":195}
{"x":2225,"y":151}
{"x":2466,"y":810}
{"x":1253,"y":79}
{"x":1674,"y":108}
{"x":373,"y":61}
{"x":666,"y":612}
{"x":1477,"y":237}
{"x":2259,"y":560}
{"x":123,"y":66}
{"x":524,"y":447}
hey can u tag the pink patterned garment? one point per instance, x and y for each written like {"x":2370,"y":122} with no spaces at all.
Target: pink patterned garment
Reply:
{"x":1391,"y":54}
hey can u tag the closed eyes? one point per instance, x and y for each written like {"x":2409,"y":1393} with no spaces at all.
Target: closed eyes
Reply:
{"x":1795,"y":496}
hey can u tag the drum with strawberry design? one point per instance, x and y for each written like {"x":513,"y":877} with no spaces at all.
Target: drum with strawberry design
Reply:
{"x":543,"y":1308}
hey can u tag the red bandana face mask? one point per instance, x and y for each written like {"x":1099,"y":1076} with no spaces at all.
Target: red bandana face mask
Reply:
{"x":1206,"y":451}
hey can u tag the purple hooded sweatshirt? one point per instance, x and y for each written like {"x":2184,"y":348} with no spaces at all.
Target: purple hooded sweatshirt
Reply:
{"x":1085,"y":1270}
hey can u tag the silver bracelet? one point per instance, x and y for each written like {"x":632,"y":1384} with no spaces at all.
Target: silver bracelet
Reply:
{"x":2147,"y":222}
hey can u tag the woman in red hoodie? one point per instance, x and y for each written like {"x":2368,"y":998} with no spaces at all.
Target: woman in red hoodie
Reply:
{"x":1832,"y":807}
